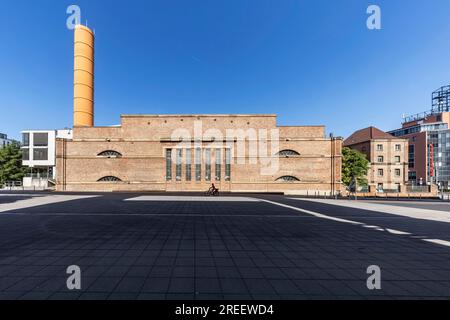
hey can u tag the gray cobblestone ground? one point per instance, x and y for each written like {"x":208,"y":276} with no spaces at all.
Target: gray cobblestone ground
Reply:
{"x":214,"y":250}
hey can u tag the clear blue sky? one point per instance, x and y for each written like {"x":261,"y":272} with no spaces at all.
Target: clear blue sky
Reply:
{"x":311,"y":62}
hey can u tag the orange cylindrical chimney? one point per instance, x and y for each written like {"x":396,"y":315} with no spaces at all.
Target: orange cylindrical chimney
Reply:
{"x":83,"y":84}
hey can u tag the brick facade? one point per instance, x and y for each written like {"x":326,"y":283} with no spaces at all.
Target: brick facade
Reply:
{"x":388,"y":157}
{"x":142,"y":141}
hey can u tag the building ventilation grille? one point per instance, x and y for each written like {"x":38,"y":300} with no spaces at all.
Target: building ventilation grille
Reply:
{"x":288,"y":179}
{"x":288,"y":153}
{"x":110,"y":154}
{"x":109,"y":179}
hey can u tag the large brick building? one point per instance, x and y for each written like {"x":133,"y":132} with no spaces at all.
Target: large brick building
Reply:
{"x":238,"y":153}
{"x":388,"y":157}
{"x":146,"y":153}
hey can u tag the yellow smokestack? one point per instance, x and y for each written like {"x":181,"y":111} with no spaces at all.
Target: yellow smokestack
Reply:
{"x":83,"y":87}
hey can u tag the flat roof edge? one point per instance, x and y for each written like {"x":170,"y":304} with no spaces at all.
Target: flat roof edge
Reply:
{"x":194,"y":115}
{"x":305,"y":126}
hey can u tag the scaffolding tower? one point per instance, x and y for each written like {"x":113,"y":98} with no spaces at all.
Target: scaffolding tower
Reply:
{"x":440,"y":100}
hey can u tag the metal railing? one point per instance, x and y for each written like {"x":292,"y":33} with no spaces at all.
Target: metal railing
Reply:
{"x":445,"y":196}
{"x":417,"y":189}
{"x":388,"y":191}
{"x":38,"y":175}
{"x":18,"y":186}
{"x":322,"y":194}
{"x":12,"y":184}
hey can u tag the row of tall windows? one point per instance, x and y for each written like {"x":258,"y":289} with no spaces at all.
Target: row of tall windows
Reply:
{"x":398,"y":147}
{"x":200,"y":156}
{"x":398,"y":172}
{"x":397,"y":159}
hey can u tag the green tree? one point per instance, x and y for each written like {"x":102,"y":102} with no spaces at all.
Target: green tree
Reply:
{"x":11,"y":168}
{"x":354,"y":167}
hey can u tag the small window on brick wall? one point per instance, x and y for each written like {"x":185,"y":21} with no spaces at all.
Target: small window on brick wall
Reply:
{"x":109,"y":179}
{"x":288,"y":179}
{"x":288,"y":153}
{"x":110,"y":154}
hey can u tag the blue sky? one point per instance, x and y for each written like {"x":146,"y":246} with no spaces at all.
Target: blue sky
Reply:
{"x":310,"y":62}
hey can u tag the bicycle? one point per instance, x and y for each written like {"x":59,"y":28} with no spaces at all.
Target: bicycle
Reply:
{"x":212,"y":193}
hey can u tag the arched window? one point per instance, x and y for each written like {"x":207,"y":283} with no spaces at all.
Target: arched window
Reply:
{"x":110,"y":154}
{"x":109,"y":179}
{"x":288,"y":179}
{"x":288,"y":153}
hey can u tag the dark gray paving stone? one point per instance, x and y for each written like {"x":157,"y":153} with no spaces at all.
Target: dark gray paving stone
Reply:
{"x":182,"y":285}
{"x":123,"y":296}
{"x":207,"y":285}
{"x":156,"y":285}
{"x":236,"y":250}
{"x":104,"y":284}
{"x":285,"y":287}
{"x":34,"y":295}
{"x":151,"y":296}
{"x":138,"y":271}
{"x":130,"y":285}
{"x":94,"y":296}
{"x":259,"y":286}
{"x":233,"y":286}
{"x":65,"y":296}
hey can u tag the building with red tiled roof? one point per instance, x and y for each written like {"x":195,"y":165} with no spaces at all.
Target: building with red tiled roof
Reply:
{"x":388,"y":157}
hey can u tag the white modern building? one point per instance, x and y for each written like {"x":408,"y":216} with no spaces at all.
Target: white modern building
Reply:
{"x":38,"y":150}
{"x":4,"y":141}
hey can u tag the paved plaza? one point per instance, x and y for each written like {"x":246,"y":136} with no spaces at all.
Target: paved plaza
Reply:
{"x":181,"y":246}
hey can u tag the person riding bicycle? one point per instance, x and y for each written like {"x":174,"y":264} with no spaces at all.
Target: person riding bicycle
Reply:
{"x":213,"y":190}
